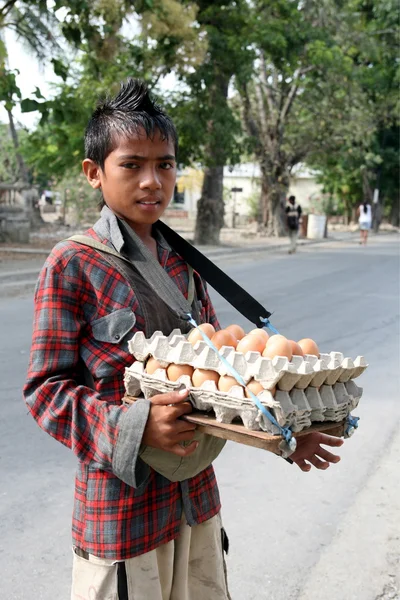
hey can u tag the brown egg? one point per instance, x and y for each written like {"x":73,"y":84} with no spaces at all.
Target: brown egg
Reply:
{"x":278,"y":345}
{"x":261,"y":333}
{"x":201,"y":375}
{"x":255,"y":387}
{"x":253,"y":343}
{"x":296,"y":349}
{"x":223,"y":338}
{"x":175,"y":371}
{"x":226,"y":383}
{"x":195,"y":335}
{"x":309,"y":346}
{"x":236,"y":331}
{"x":152,"y":365}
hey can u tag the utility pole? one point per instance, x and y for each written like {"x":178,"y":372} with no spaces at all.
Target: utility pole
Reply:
{"x":234,"y":191}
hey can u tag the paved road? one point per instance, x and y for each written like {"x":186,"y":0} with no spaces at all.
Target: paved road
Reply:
{"x":294,"y":536}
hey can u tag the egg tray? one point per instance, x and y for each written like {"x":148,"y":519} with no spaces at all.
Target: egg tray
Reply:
{"x":300,"y":372}
{"x":296,"y":409}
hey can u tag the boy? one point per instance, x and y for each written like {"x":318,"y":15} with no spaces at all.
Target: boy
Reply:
{"x":136,"y":534}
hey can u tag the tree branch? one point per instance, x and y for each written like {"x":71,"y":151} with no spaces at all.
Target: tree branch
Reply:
{"x":292,"y":92}
{"x":261,"y":110}
{"x":250,"y":123}
{"x":272,"y":104}
{"x":6,"y":8}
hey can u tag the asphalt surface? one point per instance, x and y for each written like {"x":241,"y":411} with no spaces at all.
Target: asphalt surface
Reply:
{"x":293,"y":536}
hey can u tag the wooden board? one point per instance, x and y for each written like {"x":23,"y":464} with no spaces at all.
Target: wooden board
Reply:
{"x":235,"y":432}
{"x":207,"y":423}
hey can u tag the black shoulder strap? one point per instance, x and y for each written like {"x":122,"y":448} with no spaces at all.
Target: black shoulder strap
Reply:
{"x":220,"y":281}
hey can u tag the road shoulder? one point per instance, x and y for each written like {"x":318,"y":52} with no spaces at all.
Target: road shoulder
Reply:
{"x":363,"y":560}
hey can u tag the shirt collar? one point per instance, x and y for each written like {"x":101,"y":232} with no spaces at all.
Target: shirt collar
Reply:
{"x":108,"y":228}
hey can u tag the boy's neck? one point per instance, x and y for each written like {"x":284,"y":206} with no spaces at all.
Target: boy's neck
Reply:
{"x":143,"y":230}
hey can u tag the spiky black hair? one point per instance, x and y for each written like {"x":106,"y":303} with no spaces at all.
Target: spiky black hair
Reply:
{"x":130,"y":111}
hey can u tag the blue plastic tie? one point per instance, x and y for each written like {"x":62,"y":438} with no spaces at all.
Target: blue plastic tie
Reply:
{"x":285,"y":431}
{"x":268,"y":324}
{"x":352,"y":425}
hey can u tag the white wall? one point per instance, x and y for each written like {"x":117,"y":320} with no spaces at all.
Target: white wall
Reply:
{"x":304,"y":189}
{"x":246,"y":176}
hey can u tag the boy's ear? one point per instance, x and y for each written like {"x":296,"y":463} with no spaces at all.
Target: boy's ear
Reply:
{"x":92,"y":172}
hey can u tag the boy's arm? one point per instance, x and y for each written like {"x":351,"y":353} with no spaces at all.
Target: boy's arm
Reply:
{"x":108,"y":434}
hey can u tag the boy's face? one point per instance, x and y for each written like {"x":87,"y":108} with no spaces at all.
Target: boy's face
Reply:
{"x":138,"y":178}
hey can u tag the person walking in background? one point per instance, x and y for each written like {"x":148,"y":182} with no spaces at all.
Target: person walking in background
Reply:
{"x":293,"y":215}
{"x":364,"y":221}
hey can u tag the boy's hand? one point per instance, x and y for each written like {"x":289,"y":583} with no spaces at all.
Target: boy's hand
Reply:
{"x":309,"y":449}
{"x":164,"y":428}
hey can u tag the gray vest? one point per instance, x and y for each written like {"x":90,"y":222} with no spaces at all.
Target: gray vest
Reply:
{"x":158,"y":315}
{"x":164,"y":308}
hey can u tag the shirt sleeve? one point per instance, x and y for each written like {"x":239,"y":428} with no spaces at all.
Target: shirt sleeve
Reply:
{"x":69,"y":411}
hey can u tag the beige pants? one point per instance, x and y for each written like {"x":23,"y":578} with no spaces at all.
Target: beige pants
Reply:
{"x":191,"y":567}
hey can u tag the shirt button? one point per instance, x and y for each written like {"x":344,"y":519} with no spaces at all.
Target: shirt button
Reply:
{"x":117,"y":336}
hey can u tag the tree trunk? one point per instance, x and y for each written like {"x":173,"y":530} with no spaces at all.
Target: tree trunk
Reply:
{"x":277,"y":198}
{"x":22,"y":170}
{"x":395,"y":212}
{"x":274,"y":188}
{"x":377,"y":211}
{"x":210,"y":208}
{"x":264,"y":204}
{"x":30,"y":194}
{"x":347,"y":210}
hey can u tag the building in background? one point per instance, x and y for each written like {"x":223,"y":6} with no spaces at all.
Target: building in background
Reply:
{"x":241,"y":192}
{"x":304,"y":185}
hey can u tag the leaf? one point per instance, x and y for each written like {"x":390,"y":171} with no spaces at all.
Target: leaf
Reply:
{"x":30,"y":105}
{"x":72,"y":34}
{"x":60,"y":69}
{"x":39,"y":94}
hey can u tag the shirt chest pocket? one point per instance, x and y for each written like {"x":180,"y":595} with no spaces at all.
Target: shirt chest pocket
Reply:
{"x":111,"y":335}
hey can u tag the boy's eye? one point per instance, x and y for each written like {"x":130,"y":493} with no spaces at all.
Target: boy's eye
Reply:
{"x":130,"y":166}
{"x":166,"y":166}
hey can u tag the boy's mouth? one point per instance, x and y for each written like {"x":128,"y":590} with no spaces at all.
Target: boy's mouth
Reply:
{"x":149,"y":201}
{"x":149,"y":204}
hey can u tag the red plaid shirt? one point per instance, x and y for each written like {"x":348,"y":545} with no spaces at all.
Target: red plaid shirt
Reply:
{"x":76,"y":289}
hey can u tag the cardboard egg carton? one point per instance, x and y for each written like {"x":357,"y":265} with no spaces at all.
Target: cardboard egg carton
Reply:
{"x":297,"y":409}
{"x":300,"y":372}
{"x":227,"y":406}
{"x":308,"y":389}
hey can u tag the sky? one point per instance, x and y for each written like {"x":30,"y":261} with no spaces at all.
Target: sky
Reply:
{"x":31,"y":75}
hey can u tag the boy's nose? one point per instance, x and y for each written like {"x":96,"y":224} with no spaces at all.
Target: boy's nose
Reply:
{"x":150,"y":180}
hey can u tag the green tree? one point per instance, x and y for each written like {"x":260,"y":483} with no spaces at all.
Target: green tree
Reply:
{"x":210,"y":48}
{"x":200,"y":49}
{"x":9,"y":167}
{"x":362,"y":166}
{"x":33,"y":24}
{"x":104,"y":58}
{"x":301,"y":97}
